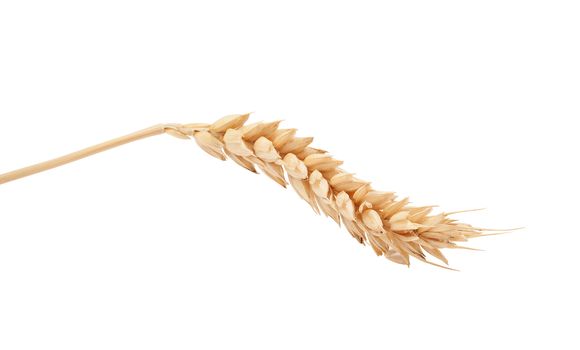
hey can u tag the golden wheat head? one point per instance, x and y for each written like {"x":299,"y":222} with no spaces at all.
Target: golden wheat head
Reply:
{"x":393,"y":228}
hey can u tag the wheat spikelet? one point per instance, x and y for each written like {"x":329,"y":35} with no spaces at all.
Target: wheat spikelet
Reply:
{"x":393,"y":228}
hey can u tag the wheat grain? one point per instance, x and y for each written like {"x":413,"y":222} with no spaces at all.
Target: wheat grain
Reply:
{"x":392,"y":227}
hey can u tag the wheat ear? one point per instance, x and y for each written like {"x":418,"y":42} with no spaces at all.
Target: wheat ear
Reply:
{"x":392,"y":227}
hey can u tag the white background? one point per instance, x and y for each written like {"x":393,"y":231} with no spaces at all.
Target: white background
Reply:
{"x":156,"y":245}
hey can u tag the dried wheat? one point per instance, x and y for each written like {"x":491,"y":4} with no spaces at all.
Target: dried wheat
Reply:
{"x":393,"y":228}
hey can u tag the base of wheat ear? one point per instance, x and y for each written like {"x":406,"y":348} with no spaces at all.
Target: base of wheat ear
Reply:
{"x":393,"y":228}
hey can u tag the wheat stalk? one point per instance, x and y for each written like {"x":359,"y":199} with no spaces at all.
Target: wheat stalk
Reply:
{"x":392,"y":227}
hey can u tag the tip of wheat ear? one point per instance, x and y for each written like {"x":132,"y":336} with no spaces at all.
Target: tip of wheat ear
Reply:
{"x":392,"y":227}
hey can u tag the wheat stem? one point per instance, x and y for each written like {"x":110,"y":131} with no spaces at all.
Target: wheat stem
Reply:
{"x":89,"y":151}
